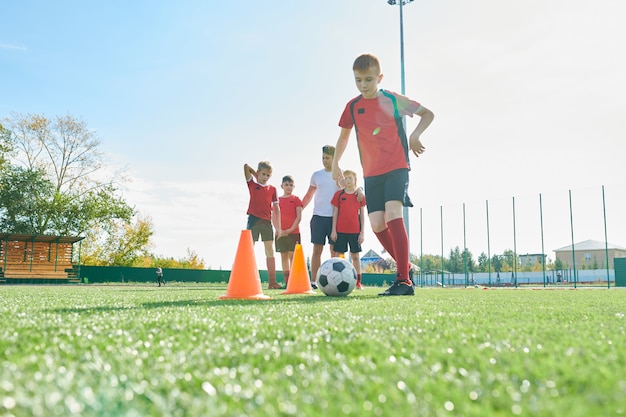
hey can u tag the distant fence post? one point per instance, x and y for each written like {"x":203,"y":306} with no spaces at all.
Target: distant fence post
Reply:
{"x":606,"y":242}
{"x":571,"y":221}
{"x":543,"y":249}
{"x":442,"y":257}
{"x":488,"y":243}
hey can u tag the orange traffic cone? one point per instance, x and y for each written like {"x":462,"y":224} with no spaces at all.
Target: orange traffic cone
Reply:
{"x":299,"y":281}
{"x":245,"y":282}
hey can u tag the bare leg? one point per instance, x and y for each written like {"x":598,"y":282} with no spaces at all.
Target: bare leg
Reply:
{"x":316,"y":260}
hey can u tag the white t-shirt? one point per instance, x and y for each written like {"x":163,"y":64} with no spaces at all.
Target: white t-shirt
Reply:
{"x":326,"y":188}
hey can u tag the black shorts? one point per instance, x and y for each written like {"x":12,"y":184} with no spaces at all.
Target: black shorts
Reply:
{"x":392,"y":186}
{"x":321,"y":228}
{"x":347,"y":239}
{"x":287,"y":243}
{"x":260,"y":227}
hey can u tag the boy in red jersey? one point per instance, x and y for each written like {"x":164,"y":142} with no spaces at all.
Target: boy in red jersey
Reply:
{"x":348,"y":219}
{"x":376,"y":115}
{"x":263,"y":211}
{"x":290,"y":216}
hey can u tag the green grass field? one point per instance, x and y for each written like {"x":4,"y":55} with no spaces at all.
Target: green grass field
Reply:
{"x":179,"y":351}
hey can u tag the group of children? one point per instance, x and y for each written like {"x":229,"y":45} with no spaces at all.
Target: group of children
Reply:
{"x":377,"y":117}
{"x":284,"y":213}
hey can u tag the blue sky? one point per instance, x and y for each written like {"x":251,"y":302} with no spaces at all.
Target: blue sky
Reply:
{"x":528,"y":95}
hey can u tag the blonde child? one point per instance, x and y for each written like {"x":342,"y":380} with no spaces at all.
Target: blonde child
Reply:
{"x":348,"y":222}
{"x":263,"y":211}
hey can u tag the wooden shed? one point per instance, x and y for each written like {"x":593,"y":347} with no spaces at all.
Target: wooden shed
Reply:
{"x":37,"y":258}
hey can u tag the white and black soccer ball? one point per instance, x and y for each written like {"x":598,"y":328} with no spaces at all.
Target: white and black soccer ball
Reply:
{"x":336,"y":277}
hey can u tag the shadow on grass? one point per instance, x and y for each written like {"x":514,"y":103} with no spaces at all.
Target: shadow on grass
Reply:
{"x":216,"y":303}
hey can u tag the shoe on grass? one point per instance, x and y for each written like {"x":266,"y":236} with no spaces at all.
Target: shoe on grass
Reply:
{"x":313,"y":285}
{"x":400,"y":288}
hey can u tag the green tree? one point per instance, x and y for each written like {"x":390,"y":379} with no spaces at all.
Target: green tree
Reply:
{"x":430,"y":262}
{"x":510,"y":261}
{"x":26,"y":200}
{"x":455,"y":263}
{"x":496,"y":263}
{"x":483,"y":262}
{"x":191,"y":261}
{"x":6,"y":145}
{"x":118,"y":243}
{"x":469,"y":259}
{"x":56,"y":170}
{"x":558,"y":265}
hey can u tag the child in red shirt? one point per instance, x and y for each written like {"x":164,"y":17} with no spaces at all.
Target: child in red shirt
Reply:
{"x":263,"y":211}
{"x":348,"y":219}
{"x":290,"y":216}
{"x":376,"y":115}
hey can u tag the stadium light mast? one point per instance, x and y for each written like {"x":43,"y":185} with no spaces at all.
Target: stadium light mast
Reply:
{"x":401,"y":3}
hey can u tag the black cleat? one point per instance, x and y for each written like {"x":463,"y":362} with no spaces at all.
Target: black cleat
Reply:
{"x":314,"y":285}
{"x":400,"y":288}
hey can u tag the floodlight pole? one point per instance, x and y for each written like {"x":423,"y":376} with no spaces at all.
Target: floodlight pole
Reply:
{"x":405,"y":210}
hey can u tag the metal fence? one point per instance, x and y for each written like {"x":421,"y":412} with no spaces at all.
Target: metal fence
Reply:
{"x":531,"y":224}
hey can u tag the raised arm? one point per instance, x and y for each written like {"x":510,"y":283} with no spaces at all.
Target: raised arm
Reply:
{"x":248,"y":172}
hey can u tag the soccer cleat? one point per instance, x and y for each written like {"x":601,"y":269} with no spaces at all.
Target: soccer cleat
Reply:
{"x":400,"y":288}
{"x":313,"y":285}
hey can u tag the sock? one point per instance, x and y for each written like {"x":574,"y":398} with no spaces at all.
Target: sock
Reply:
{"x":400,"y":247}
{"x":385,"y":239}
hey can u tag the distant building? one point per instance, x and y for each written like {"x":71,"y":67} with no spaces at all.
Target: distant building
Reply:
{"x":591,"y":254}
{"x":532,"y":259}
{"x":370,"y":257}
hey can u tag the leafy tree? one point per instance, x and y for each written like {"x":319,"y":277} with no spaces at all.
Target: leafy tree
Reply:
{"x":510,"y":261}
{"x":455,"y":263}
{"x":26,"y":200}
{"x":496,"y":263}
{"x":55,"y":184}
{"x":430,"y":262}
{"x":483,"y":262}
{"x":469,"y":259}
{"x":118,"y":243}
{"x":6,"y":145}
{"x":558,"y":264}
{"x":191,"y":261}
{"x":63,"y":146}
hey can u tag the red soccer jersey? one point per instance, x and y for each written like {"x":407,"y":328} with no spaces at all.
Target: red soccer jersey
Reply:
{"x":381,"y":139}
{"x":348,"y":220}
{"x":288,"y":206}
{"x":261,"y":199}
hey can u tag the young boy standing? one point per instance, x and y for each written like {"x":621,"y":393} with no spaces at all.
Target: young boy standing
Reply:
{"x":290,"y":216}
{"x":348,"y":219}
{"x":263,"y":211}
{"x":376,"y":115}
{"x":321,"y":190}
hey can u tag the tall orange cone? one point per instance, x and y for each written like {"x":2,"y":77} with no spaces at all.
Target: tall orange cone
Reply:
{"x":299,"y":281}
{"x":245,"y":282}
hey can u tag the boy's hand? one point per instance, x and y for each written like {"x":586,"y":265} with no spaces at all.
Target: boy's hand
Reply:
{"x":416,"y":146}
{"x":359,"y":194}
{"x":337,"y":174}
{"x":333,"y":236}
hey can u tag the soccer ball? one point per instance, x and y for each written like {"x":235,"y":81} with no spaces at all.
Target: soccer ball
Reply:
{"x":336,"y":277}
